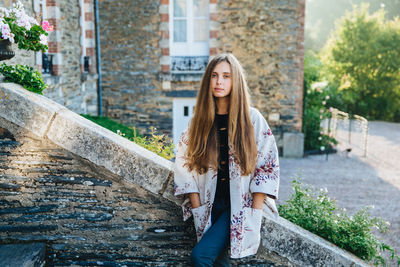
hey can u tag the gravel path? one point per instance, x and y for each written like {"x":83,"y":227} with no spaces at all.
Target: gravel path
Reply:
{"x":355,"y":181}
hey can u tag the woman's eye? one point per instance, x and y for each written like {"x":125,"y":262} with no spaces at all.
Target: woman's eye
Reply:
{"x":213,"y":75}
{"x":227,"y":76}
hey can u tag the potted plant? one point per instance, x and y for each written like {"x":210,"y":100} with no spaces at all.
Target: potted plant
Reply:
{"x":17,"y":27}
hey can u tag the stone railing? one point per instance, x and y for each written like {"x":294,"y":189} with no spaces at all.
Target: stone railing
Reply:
{"x":282,"y":240}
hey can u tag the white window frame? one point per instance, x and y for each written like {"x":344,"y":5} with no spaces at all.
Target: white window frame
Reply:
{"x":190,"y":47}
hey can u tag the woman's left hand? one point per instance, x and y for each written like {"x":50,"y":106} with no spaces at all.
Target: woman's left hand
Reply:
{"x":258,"y":200}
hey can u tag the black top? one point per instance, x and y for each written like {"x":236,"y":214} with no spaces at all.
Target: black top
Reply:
{"x":222,"y":191}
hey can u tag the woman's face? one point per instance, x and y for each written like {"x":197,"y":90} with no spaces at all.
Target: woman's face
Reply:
{"x":221,"y":80}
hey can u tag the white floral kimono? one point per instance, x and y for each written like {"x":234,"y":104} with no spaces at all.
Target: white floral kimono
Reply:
{"x":245,"y":222}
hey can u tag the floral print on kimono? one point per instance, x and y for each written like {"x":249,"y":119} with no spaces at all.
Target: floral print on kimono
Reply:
{"x":245,"y":222}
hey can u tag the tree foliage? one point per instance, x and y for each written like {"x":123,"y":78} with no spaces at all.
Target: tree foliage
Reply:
{"x":362,"y":60}
{"x":316,"y":102}
{"x":322,"y":14}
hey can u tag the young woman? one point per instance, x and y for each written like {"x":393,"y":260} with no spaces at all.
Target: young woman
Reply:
{"x":226,"y":167}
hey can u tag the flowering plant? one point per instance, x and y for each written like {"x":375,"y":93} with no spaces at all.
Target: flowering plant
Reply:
{"x":17,"y":27}
{"x":317,"y":99}
{"x":314,"y":211}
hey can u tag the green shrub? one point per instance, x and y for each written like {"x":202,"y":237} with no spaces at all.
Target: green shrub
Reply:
{"x":159,"y":144}
{"x":316,"y":101}
{"x":314,"y":211}
{"x":26,"y":76}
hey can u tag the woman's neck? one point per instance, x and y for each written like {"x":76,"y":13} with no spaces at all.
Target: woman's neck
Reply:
{"x":222,"y":104}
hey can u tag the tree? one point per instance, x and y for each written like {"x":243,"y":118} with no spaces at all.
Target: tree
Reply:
{"x":362,"y":60}
{"x":322,"y":14}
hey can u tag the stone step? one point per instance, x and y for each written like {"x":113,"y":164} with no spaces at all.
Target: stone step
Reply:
{"x":6,"y":143}
{"x":87,"y":218}
{"x":24,"y":255}
{"x":87,"y":181}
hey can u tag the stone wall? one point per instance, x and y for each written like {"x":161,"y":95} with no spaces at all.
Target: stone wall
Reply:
{"x":130,"y":64}
{"x":267,"y":38}
{"x":69,"y":86}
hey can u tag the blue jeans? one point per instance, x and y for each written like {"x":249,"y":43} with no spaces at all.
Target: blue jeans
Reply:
{"x":212,"y":249}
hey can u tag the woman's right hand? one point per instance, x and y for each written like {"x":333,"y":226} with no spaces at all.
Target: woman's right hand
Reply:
{"x":194,"y":200}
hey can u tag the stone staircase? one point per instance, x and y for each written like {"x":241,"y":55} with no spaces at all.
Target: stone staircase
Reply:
{"x":23,"y":255}
{"x":86,"y":215}
{"x":95,"y":198}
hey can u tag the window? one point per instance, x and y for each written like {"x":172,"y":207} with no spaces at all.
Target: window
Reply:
{"x":47,"y":64}
{"x":189,"y":42}
{"x":86,"y":64}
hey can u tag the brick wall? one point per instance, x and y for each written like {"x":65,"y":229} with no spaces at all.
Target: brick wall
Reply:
{"x":164,"y":40}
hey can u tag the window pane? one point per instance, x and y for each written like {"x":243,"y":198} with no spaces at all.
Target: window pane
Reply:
{"x":179,"y":8}
{"x":200,"y":30}
{"x":200,"y":8}
{"x":180,"y":30}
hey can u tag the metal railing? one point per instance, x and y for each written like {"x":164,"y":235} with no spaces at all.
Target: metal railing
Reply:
{"x":350,"y":132}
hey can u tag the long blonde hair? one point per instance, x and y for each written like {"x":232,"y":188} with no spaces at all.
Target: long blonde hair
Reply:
{"x":202,"y":151}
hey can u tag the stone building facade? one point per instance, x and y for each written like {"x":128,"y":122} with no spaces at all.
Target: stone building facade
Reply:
{"x":69,"y":65}
{"x":154,"y":53}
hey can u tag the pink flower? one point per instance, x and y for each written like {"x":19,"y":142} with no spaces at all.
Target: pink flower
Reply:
{"x":330,"y":109}
{"x":24,"y":23}
{"x":6,"y":32}
{"x":23,"y":20}
{"x":46,"y":26}
{"x":5,"y":29}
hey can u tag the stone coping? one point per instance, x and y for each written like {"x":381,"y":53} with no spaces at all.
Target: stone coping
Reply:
{"x":301,"y":247}
{"x":48,"y":119}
